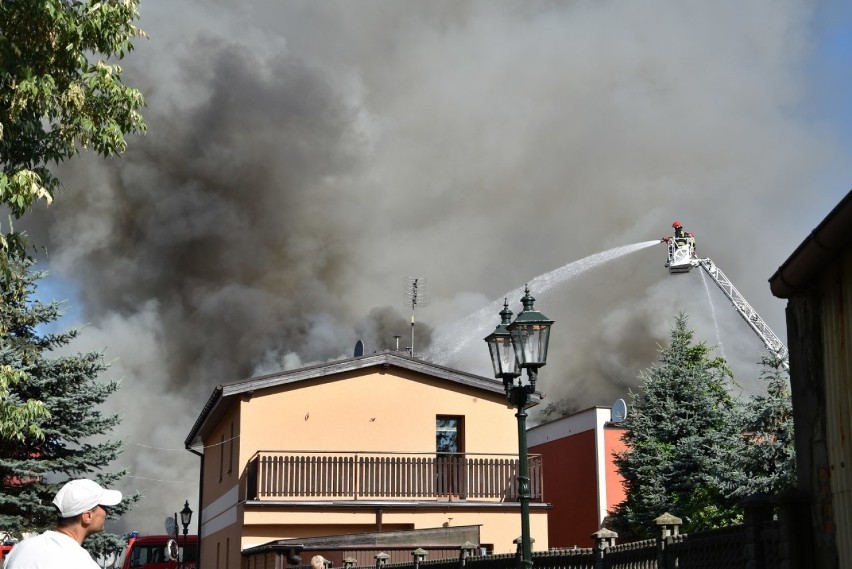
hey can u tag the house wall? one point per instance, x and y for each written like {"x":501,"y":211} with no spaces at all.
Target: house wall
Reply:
{"x":499,"y":527}
{"x":221,"y":475}
{"x":817,"y":281}
{"x":390,"y":411}
{"x":221,"y":550}
{"x":615,"y":490}
{"x":221,"y":516}
{"x":837,"y":335}
{"x":580,"y":478}
{"x":819,"y":330}
{"x":573,"y":494}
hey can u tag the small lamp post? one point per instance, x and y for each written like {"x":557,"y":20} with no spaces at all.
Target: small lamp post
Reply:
{"x":185,"y":519}
{"x":515,"y":346}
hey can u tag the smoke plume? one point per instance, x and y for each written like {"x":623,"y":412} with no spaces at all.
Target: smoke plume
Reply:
{"x":303,"y":159}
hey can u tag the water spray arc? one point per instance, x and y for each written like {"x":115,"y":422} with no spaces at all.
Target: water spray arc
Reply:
{"x":448,"y":343}
{"x":713,"y":314}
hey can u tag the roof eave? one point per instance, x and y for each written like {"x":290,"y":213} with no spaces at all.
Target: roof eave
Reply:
{"x":215,"y":397}
{"x":819,"y":249}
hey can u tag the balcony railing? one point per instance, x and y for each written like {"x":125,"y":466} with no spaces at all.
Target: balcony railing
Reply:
{"x":291,"y":476}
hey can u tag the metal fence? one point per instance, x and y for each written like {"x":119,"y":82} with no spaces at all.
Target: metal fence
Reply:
{"x":769,"y":538}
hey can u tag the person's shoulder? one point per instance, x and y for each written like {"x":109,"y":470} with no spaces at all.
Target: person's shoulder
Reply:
{"x":49,"y":549}
{"x":23,"y":552}
{"x":28,"y":543}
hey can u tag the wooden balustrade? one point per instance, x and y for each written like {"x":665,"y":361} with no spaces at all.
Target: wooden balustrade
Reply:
{"x":276,"y":475}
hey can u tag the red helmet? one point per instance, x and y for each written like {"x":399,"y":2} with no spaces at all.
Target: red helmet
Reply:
{"x":676,"y":224}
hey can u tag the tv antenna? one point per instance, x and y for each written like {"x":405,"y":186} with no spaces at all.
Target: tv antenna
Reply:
{"x":414,"y":295}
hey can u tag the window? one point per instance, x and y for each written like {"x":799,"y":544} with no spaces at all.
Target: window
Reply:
{"x":448,"y":434}
{"x":449,"y":461}
{"x":147,"y":554}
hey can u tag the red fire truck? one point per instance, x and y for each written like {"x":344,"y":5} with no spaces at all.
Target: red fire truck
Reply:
{"x":160,"y":552}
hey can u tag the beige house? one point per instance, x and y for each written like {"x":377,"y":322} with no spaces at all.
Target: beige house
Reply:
{"x":376,"y":443}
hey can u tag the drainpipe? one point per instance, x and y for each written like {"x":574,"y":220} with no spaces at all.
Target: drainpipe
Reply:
{"x":200,"y":494}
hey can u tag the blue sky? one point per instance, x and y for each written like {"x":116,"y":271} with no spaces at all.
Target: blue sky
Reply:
{"x":828,"y":101}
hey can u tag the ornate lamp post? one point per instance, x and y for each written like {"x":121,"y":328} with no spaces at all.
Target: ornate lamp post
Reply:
{"x":185,"y":519}
{"x":516,"y":346}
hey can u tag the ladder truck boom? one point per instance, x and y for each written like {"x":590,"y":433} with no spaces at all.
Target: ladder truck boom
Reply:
{"x":745,"y":310}
{"x":682,"y":259}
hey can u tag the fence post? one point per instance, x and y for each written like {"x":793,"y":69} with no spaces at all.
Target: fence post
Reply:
{"x":795,"y":528}
{"x":419,"y":555}
{"x":519,"y":549}
{"x":669,"y":526}
{"x":757,"y":511}
{"x":381,"y":559}
{"x":604,"y":539}
{"x":465,"y":550}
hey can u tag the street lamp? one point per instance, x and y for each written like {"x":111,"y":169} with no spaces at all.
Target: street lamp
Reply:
{"x":515,"y":346}
{"x":185,"y":519}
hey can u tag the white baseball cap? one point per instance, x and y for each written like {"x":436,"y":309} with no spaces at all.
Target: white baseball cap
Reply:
{"x":78,"y":496}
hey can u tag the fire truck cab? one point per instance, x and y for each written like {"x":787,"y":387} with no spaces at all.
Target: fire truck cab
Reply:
{"x":160,"y":552}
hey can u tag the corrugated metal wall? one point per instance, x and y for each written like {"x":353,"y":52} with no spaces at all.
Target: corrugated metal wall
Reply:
{"x":837,"y":338}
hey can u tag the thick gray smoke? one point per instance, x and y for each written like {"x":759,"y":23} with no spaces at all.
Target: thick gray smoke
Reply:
{"x":304,"y":158}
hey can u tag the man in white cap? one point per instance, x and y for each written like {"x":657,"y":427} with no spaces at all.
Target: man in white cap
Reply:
{"x":81,"y":511}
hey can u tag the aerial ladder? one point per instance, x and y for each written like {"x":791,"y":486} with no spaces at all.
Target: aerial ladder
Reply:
{"x":682,"y":259}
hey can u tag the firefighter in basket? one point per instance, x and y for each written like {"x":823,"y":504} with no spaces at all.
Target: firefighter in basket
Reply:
{"x":681,"y":237}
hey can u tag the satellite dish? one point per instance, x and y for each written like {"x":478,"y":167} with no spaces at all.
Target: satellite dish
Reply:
{"x":619,"y":411}
{"x":359,"y":348}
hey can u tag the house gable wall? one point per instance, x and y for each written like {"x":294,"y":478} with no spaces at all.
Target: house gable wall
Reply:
{"x":387,"y":410}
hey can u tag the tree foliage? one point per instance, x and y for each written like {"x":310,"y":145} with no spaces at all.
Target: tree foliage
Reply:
{"x":18,"y":417}
{"x":766,"y":461}
{"x":681,"y":437}
{"x":73,"y":442}
{"x":60,"y":92}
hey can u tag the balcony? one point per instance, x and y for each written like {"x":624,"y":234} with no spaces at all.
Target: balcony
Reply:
{"x":339,"y":476}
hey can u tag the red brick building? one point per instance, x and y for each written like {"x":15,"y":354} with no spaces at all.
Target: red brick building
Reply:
{"x":581,"y":480}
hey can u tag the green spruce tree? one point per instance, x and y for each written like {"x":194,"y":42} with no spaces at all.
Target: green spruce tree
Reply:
{"x":767,"y":458}
{"x":681,"y":436}
{"x":73,"y":440}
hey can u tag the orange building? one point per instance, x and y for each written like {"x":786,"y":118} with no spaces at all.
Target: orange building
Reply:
{"x":581,"y":480}
{"x":377,"y":443}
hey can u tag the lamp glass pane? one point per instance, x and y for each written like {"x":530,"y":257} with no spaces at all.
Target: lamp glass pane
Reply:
{"x":185,"y":516}
{"x":530,"y":342}
{"x":502,"y":355}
